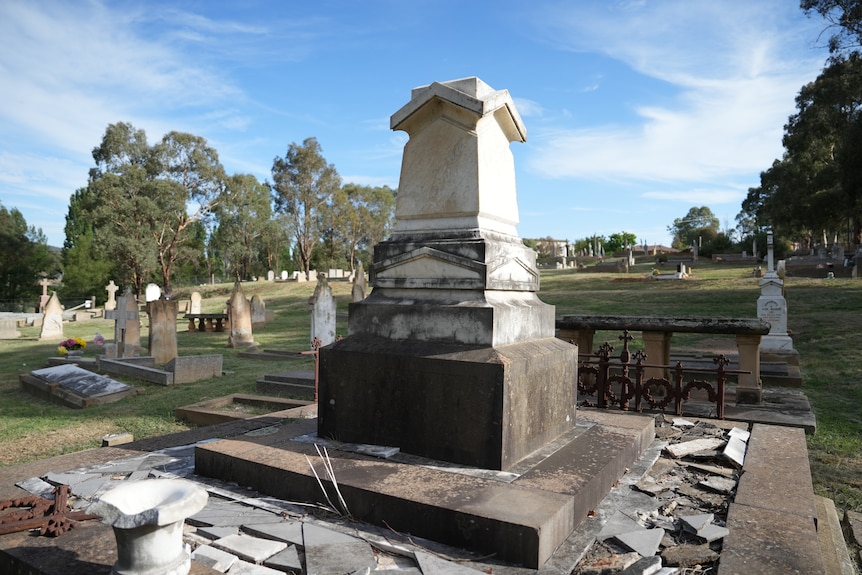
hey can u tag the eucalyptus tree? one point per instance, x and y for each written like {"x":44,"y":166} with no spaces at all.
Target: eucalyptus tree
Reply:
{"x":303,"y":184}
{"x":145,"y":199}
{"x":244,"y":216}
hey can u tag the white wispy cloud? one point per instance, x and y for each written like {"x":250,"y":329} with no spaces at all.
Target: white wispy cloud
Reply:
{"x":735,"y":76}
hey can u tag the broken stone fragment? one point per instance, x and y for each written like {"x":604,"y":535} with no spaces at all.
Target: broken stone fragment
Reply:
{"x":689,"y":555}
{"x":679,"y":450}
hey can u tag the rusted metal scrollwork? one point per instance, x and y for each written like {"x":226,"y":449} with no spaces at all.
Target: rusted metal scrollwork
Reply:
{"x":51,"y":518}
{"x":599,"y":375}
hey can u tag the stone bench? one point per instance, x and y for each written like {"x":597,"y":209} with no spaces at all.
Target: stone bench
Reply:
{"x":657,"y":333}
{"x":207,"y":321}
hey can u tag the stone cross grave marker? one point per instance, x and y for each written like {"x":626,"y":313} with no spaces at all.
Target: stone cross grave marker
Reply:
{"x":127,"y":326}
{"x":43,"y":299}
{"x":772,"y":308}
{"x":52,"y":324}
{"x":322,"y":306}
{"x":111,"y":288}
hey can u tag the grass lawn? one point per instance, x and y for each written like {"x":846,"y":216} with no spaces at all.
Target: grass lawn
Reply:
{"x":824,"y":317}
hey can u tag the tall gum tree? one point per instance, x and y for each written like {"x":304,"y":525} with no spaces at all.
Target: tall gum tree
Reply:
{"x":303,"y":184}
{"x":141,"y":197}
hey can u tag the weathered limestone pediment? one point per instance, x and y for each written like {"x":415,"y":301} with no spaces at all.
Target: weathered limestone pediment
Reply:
{"x":512,"y":273}
{"x":428,"y":267}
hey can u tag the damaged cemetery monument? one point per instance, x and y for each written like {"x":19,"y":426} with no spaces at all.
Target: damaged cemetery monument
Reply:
{"x":452,"y":356}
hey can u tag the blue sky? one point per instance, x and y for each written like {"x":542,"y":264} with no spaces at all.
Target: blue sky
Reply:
{"x":636,"y":110}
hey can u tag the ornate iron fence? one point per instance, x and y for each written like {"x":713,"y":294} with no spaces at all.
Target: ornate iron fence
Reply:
{"x":622,"y":381}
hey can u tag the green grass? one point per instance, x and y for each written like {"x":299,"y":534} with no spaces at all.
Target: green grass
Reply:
{"x":824,"y":318}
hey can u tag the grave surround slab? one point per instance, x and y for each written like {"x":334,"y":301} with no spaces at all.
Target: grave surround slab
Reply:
{"x":86,"y":545}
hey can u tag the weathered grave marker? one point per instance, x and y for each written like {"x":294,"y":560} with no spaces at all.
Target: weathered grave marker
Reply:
{"x":195,"y":305}
{"x":111,"y":303}
{"x":322,"y":306}
{"x":43,"y":299}
{"x":162,"y":339}
{"x":360,"y":285}
{"x":52,"y":323}
{"x":258,"y":312}
{"x":127,"y":327}
{"x":239,"y":317}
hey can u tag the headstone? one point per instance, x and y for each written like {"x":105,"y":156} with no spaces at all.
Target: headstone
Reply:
{"x":322,"y":306}
{"x":9,"y":329}
{"x":312,"y":275}
{"x":284,"y":275}
{"x":111,"y":303}
{"x":452,"y":352}
{"x":195,"y":305}
{"x":52,"y":322}
{"x":239,"y":317}
{"x":359,"y":284}
{"x":162,"y":342}
{"x":43,"y":299}
{"x":152,"y":293}
{"x":772,"y":308}
{"x":258,"y":313}
{"x":127,"y":327}
{"x":270,"y":275}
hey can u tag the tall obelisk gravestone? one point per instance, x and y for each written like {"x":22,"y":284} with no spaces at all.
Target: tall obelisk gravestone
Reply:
{"x":452,"y":356}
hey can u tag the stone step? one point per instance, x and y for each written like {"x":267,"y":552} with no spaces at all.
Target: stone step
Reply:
{"x":522,"y":522}
{"x":298,"y":384}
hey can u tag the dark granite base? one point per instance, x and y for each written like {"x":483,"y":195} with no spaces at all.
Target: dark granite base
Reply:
{"x":485,"y":407}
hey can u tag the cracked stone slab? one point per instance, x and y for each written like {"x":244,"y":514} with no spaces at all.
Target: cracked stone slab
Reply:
{"x":644,"y":541}
{"x":338,"y":558}
{"x":36,"y":486}
{"x":433,"y":565}
{"x":286,"y":560}
{"x":618,"y":523}
{"x":719,"y":484}
{"x":287,"y":531}
{"x":211,"y":532}
{"x":244,"y":568}
{"x":250,"y":548}
{"x":679,"y":450}
{"x":214,"y":558}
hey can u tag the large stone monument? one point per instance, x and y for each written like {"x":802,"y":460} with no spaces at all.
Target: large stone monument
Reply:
{"x":452,"y":356}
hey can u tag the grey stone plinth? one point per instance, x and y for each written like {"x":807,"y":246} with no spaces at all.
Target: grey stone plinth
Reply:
{"x":481,"y":406}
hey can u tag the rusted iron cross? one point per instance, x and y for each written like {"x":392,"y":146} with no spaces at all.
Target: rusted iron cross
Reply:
{"x":51,"y":518}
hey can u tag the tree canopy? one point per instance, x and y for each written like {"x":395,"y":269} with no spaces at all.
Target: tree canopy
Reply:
{"x":690,"y":229}
{"x":816,"y":187}
{"x":139,"y":197}
{"x":303,"y":183}
{"x":24,"y":256}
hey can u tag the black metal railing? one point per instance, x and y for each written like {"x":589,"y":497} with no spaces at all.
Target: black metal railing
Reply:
{"x":622,"y":381}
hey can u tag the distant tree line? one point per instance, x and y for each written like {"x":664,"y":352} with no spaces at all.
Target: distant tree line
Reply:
{"x":168,"y":213}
